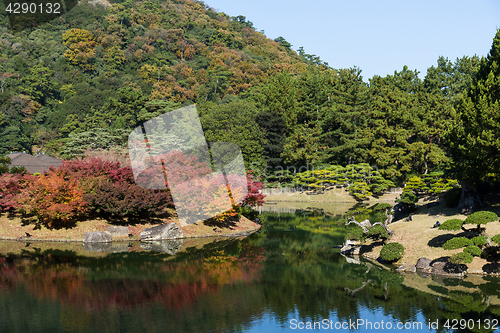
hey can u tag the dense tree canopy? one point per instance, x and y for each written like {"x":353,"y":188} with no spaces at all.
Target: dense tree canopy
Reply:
{"x":109,"y":68}
{"x":475,"y":135}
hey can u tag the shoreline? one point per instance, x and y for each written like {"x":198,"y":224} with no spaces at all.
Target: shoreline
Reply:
{"x":60,"y":240}
{"x":14,"y":230}
{"x":418,"y":236}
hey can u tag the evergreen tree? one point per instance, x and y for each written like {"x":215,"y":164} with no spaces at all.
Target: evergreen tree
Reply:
{"x":475,"y":136}
{"x":345,"y":125}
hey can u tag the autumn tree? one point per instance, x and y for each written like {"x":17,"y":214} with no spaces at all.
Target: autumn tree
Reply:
{"x":81,"y":48}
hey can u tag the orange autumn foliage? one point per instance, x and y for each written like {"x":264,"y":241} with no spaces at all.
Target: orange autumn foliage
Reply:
{"x":52,"y":198}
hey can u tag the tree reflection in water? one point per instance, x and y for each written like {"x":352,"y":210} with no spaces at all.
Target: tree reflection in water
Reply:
{"x":289,"y":269}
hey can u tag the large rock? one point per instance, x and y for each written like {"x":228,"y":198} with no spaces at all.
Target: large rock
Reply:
{"x":445,"y":268}
{"x":423,"y":263}
{"x":170,"y":246}
{"x":118,"y":231}
{"x":448,"y":269}
{"x":97,"y":237}
{"x":164,"y":231}
{"x":350,"y":247}
{"x":402,"y":268}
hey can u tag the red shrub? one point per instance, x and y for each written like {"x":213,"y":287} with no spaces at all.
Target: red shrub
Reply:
{"x":9,"y":188}
{"x":254,"y":197}
{"x":122,"y":199}
{"x":92,"y":167}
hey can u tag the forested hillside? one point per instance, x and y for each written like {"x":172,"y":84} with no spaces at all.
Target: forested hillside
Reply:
{"x":85,"y":79}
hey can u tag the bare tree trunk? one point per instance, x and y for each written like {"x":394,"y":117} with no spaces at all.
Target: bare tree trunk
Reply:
{"x":366,"y":225}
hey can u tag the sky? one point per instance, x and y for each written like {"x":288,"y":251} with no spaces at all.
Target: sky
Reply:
{"x":378,"y":36}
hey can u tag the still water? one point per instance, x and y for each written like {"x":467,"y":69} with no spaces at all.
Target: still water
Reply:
{"x":286,"y":278}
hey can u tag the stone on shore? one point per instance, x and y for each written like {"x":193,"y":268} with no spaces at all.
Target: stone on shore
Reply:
{"x":164,"y":231}
{"x":423,"y":263}
{"x":402,"y":268}
{"x":97,"y":237}
{"x":350,"y":247}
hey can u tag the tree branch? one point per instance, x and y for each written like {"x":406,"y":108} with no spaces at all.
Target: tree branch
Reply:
{"x":353,"y":291}
{"x":365,"y":225}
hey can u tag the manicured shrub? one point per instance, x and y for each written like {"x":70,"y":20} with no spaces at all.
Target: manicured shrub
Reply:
{"x":360,"y":190}
{"x":380,"y":207}
{"x":496,"y":239}
{"x":480,"y":240}
{"x":461,"y":258}
{"x":408,"y":199}
{"x":377,"y":232}
{"x":481,"y":217}
{"x":356,"y":233}
{"x":457,"y":243}
{"x":392,"y":252}
{"x":474,"y":250}
{"x":453,"y":224}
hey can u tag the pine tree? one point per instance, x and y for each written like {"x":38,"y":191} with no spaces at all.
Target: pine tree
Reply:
{"x":475,"y":136}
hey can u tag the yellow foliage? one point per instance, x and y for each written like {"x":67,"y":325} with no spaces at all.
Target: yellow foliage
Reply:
{"x":81,"y":46}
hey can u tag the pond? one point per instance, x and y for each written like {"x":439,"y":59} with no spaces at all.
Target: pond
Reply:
{"x":288,"y":277}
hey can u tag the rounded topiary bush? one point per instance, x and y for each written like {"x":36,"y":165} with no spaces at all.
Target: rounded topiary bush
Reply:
{"x":496,"y":239}
{"x":457,"y":243}
{"x":378,"y":232}
{"x":453,"y":224}
{"x":356,"y":233}
{"x":392,"y":252}
{"x":473,"y":250}
{"x":481,"y":217}
{"x":462,"y":258}
{"x":382,"y":207}
{"x":480,"y":240}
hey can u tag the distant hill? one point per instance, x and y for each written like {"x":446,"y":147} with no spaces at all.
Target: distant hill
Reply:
{"x":78,"y":67}
{"x":87,"y":78}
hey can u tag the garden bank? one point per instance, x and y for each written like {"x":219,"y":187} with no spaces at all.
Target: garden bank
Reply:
{"x":418,"y":236}
{"x":13,"y":229}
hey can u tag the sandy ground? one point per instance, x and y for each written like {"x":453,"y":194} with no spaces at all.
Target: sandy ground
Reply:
{"x":417,"y":236}
{"x":421,"y":240}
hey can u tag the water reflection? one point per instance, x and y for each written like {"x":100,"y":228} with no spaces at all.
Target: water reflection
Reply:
{"x":289,"y":270}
